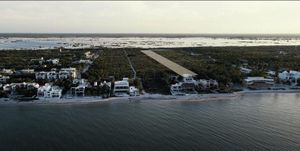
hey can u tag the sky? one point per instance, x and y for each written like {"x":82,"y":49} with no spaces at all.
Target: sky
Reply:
{"x":267,"y":17}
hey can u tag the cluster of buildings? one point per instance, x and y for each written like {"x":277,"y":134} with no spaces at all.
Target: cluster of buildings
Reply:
{"x":268,"y":82}
{"x":187,"y":85}
{"x":63,"y":73}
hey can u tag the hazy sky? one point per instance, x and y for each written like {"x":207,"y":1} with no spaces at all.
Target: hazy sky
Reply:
{"x":150,"y":17}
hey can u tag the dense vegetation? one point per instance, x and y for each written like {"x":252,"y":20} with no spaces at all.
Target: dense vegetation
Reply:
{"x":220,"y":63}
{"x":21,"y":59}
{"x":113,"y":62}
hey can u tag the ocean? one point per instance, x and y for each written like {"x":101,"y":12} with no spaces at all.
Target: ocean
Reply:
{"x":266,"y":121}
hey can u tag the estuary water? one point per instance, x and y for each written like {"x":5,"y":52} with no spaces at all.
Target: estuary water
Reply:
{"x":247,"y":122}
{"x":72,"y":41}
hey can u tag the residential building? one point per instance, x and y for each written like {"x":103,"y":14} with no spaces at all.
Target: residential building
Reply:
{"x":49,"y":91}
{"x":121,"y":88}
{"x":291,"y":75}
{"x":52,"y":75}
{"x":41,"y":75}
{"x":64,"y":75}
{"x":207,"y":84}
{"x":53,"y":61}
{"x":258,"y":82}
{"x":79,"y":90}
{"x":7,"y":71}
{"x":186,"y":86}
{"x":245,"y":70}
{"x":72,"y":71}
{"x":27,"y":71}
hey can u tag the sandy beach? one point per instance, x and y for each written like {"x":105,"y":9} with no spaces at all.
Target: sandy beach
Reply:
{"x":145,"y":97}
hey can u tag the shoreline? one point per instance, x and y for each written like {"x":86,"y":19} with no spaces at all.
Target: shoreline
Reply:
{"x":145,"y":97}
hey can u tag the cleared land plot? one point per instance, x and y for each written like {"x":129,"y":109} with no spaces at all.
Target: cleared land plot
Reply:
{"x":168,"y":63}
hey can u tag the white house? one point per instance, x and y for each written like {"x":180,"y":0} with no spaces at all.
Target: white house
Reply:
{"x":72,"y":71}
{"x":207,"y":83}
{"x":187,"y":78}
{"x":7,"y":71}
{"x":52,"y":75}
{"x":41,"y":75}
{"x":245,"y":70}
{"x":49,"y":91}
{"x":53,"y":61}
{"x":83,"y":82}
{"x":291,"y":75}
{"x":186,"y":86}
{"x":7,"y":87}
{"x":80,"y":89}
{"x":12,"y":86}
{"x":177,"y":89}
{"x":64,"y":75}
{"x":27,"y":71}
{"x":258,"y":82}
{"x":121,"y":88}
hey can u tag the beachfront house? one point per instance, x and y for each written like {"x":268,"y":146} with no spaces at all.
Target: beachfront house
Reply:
{"x":81,"y":85}
{"x":121,"y":88}
{"x":78,"y":90}
{"x":186,"y":86}
{"x":289,"y":75}
{"x":258,"y":83}
{"x":207,"y":84}
{"x":49,"y":91}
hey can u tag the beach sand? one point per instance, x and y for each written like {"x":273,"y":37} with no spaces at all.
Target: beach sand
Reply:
{"x":145,"y":97}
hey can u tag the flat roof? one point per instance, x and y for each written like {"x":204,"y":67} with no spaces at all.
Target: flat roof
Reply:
{"x":168,"y":63}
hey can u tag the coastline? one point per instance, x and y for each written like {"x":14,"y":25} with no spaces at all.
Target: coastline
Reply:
{"x":145,"y":97}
